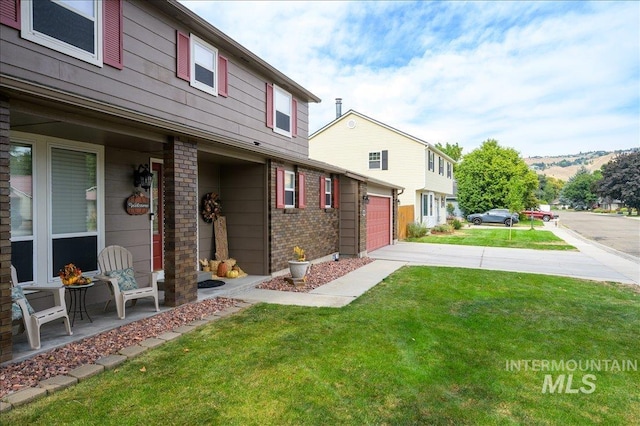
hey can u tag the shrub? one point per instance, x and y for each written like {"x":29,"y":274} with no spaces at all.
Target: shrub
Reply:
{"x":456,"y":224}
{"x":450,"y":209}
{"x":445,"y":228}
{"x":416,"y":230}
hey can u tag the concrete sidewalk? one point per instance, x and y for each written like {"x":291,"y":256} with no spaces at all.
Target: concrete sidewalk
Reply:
{"x":591,"y":262}
{"x":335,"y":294}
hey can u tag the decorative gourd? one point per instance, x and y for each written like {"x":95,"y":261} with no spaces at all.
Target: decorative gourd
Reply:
{"x":223,"y":268}
{"x":232,"y":274}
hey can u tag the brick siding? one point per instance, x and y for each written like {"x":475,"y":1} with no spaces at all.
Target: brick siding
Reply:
{"x":314,"y":229}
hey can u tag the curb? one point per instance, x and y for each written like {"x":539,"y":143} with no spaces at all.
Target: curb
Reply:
{"x":108,"y":362}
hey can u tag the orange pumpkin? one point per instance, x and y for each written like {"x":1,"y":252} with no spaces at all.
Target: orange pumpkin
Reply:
{"x":223,"y":268}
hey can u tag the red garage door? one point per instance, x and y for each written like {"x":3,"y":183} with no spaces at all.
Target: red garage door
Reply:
{"x":378,"y":223}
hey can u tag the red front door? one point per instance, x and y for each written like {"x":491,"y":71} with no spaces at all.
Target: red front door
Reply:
{"x":157,"y":206}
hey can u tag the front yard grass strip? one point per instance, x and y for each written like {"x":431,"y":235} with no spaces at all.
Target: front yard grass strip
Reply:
{"x":499,"y":237}
{"x":428,"y":345}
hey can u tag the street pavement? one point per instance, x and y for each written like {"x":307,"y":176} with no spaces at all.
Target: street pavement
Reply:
{"x":620,"y":232}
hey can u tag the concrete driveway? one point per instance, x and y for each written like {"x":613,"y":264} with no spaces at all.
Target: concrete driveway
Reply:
{"x":616,"y":231}
{"x":590,"y":262}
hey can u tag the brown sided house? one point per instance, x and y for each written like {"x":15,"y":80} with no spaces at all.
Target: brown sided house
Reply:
{"x":91,"y":92}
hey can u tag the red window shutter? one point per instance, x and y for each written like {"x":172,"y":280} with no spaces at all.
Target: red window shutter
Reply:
{"x":183,"y":67}
{"x":223,"y":86}
{"x":322,"y":190}
{"x":302,"y":192}
{"x":10,"y":13}
{"x":294,"y":118}
{"x":336,"y":193}
{"x":112,"y":41}
{"x":279,"y":188}
{"x":270,"y":106}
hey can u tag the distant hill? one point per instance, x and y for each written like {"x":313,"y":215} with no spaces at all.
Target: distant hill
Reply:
{"x":565,"y":166}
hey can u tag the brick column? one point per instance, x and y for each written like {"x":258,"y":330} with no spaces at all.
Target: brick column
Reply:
{"x":180,"y":222}
{"x":6,"y":346}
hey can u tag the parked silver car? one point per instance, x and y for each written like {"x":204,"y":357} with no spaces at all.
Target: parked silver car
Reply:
{"x":494,"y":216}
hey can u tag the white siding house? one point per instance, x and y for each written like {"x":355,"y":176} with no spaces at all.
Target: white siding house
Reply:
{"x":374,"y":149}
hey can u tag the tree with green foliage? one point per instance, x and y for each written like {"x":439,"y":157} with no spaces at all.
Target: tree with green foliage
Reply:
{"x":581,"y":188}
{"x":452,"y":150}
{"x":548,"y":188}
{"x":621,"y":179}
{"x":494,"y":177}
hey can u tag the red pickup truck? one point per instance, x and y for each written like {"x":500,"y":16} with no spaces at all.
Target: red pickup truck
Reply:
{"x":539,"y":214}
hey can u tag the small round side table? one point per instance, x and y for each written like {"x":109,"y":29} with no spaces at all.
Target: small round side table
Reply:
{"x":78,"y":305}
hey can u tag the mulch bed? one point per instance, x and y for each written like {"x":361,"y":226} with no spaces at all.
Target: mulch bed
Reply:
{"x":320,"y":274}
{"x":59,"y":361}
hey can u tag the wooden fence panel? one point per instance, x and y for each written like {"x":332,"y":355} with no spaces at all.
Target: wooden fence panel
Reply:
{"x":405,"y":217}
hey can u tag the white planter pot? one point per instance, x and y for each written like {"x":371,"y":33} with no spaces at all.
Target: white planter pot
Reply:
{"x":298,"y":269}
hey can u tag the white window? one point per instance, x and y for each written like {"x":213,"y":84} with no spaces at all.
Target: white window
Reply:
{"x":440,"y":166}
{"x":431,"y":161}
{"x":289,"y":189}
{"x":73,"y":27}
{"x":204,"y":65}
{"x":375,"y":160}
{"x":327,"y":193}
{"x":282,"y":101}
{"x":21,"y":193}
{"x":449,"y":167}
{"x":425,"y":205}
{"x":73,"y":221}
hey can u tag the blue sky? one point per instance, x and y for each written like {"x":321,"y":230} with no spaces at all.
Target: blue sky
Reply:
{"x":543,"y":77}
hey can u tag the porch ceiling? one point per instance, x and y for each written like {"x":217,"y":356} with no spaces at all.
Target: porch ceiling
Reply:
{"x":85,"y":129}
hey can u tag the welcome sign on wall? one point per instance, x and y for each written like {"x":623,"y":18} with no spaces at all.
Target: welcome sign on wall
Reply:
{"x":137,"y":204}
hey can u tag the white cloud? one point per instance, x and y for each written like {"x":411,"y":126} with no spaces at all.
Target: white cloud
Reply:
{"x":542,"y":77}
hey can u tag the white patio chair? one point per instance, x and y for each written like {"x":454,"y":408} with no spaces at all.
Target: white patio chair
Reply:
{"x":116,"y":268}
{"x":33,"y":320}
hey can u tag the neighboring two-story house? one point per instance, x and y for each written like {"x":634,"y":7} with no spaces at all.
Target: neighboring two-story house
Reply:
{"x":375,"y":149}
{"x":92,"y":91}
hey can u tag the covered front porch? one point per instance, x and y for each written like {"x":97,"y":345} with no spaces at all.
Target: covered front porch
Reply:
{"x":53,"y":334}
{"x":169,"y":238}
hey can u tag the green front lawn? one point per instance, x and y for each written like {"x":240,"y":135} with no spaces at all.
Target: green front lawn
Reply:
{"x":525,"y":222}
{"x":499,"y":237}
{"x":428,"y":345}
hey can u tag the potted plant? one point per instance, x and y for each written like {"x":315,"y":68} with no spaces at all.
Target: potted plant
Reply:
{"x":300,"y":266}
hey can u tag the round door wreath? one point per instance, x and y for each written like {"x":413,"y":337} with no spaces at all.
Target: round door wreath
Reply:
{"x":211,"y":207}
